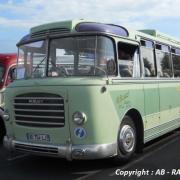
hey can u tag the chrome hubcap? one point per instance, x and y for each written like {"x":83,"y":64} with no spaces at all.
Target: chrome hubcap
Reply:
{"x":127,"y":138}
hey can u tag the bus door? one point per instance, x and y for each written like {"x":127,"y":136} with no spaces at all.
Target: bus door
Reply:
{"x":151,"y":89}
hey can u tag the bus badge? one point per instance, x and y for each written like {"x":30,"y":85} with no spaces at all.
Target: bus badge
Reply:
{"x":80,"y":132}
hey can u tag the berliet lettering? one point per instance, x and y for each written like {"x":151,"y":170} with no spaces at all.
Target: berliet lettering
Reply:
{"x":35,"y":101}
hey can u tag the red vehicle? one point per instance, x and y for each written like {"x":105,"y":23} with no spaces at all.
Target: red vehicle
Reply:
{"x":7,"y":66}
{"x":7,"y":69}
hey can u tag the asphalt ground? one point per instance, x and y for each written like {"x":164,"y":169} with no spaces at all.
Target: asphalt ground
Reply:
{"x":159,"y":160}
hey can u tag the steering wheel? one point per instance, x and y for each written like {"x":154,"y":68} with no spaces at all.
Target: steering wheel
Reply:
{"x":62,"y":71}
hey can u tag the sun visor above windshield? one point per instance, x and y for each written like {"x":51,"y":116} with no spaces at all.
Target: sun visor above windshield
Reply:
{"x":100,"y":27}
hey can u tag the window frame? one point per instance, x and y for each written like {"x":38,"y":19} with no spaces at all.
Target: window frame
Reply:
{"x":8,"y":71}
{"x":176,"y":52}
{"x":154,"y":55}
{"x":46,"y":41}
{"x":132,"y":43}
{"x":170,"y":58}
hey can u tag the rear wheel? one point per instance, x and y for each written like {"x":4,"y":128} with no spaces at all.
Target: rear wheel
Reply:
{"x":127,"y":140}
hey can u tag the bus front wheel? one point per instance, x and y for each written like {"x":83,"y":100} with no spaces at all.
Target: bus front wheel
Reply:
{"x":2,"y":131}
{"x":127,"y":140}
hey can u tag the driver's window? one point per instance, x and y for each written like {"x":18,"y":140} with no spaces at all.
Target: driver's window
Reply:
{"x":11,"y":75}
{"x":128,"y":60}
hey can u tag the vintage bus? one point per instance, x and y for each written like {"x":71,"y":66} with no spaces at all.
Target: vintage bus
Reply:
{"x":89,"y":90}
{"x":7,"y":68}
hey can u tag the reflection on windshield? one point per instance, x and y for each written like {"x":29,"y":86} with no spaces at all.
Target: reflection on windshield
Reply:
{"x":1,"y":73}
{"x":32,"y":60}
{"x":70,"y":56}
{"x":80,"y":56}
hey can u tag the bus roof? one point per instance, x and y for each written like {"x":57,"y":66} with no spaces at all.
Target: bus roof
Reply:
{"x":75,"y":26}
{"x":159,"y":36}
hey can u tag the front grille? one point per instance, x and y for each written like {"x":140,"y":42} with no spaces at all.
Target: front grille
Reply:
{"x":36,"y":149}
{"x":54,"y":31}
{"x":39,"y":110}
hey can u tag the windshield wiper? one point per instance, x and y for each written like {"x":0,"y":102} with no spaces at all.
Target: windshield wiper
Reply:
{"x":38,"y":65}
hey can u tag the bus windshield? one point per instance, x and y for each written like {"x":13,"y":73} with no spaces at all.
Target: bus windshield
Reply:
{"x":67,"y":56}
{"x":32,"y":60}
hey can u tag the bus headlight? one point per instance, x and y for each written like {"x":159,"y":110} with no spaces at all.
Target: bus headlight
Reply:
{"x":6,"y":116}
{"x":79,"y":118}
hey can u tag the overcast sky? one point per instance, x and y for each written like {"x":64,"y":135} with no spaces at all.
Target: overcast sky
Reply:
{"x":17,"y":16}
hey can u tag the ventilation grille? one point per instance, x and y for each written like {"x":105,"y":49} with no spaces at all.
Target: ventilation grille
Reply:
{"x":39,"y":110}
{"x":36,"y":149}
{"x":54,"y":31}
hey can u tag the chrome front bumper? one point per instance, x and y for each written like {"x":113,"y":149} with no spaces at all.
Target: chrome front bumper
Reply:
{"x":68,"y":151}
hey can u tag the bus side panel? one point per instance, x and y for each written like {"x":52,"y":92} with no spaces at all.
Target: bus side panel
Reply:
{"x":152,"y":118}
{"x":104,"y":110}
{"x":126,"y":96}
{"x":169,"y":105}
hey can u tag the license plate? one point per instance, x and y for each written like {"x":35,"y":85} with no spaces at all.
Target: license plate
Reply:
{"x":38,"y":137}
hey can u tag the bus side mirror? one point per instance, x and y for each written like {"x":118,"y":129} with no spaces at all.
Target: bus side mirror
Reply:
{"x":111,"y":67}
{"x":13,"y":74}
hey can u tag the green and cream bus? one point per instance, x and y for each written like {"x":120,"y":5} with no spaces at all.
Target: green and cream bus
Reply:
{"x":88,"y":90}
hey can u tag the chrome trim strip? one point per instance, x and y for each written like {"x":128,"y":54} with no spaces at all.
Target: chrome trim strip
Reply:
{"x":144,"y":80}
{"x":46,"y":98}
{"x":68,"y":151}
{"x":39,"y":110}
{"x":39,"y":122}
{"x":38,"y":104}
{"x":32,"y":116}
{"x":160,"y":133}
{"x":35,"y":149}
{"x":36,"y":152}
{"x":163,"y":124}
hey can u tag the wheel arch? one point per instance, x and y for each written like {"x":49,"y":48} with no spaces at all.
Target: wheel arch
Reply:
{"x":138,"y":121}
{"x":2,"y":125}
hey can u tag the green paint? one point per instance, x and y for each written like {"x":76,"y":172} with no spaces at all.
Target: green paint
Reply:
{"x":158,"y":101}
{"x":122,"y":101}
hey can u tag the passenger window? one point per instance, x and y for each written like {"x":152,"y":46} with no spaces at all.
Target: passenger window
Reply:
{"x":176,"y":62}
{"x":128,"y":60}
{"x":147,"y":55}
{"x":163,"y":61}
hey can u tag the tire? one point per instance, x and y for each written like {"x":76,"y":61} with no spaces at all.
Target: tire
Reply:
{"x":127,"y":140}
{"x":2,"y":131}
